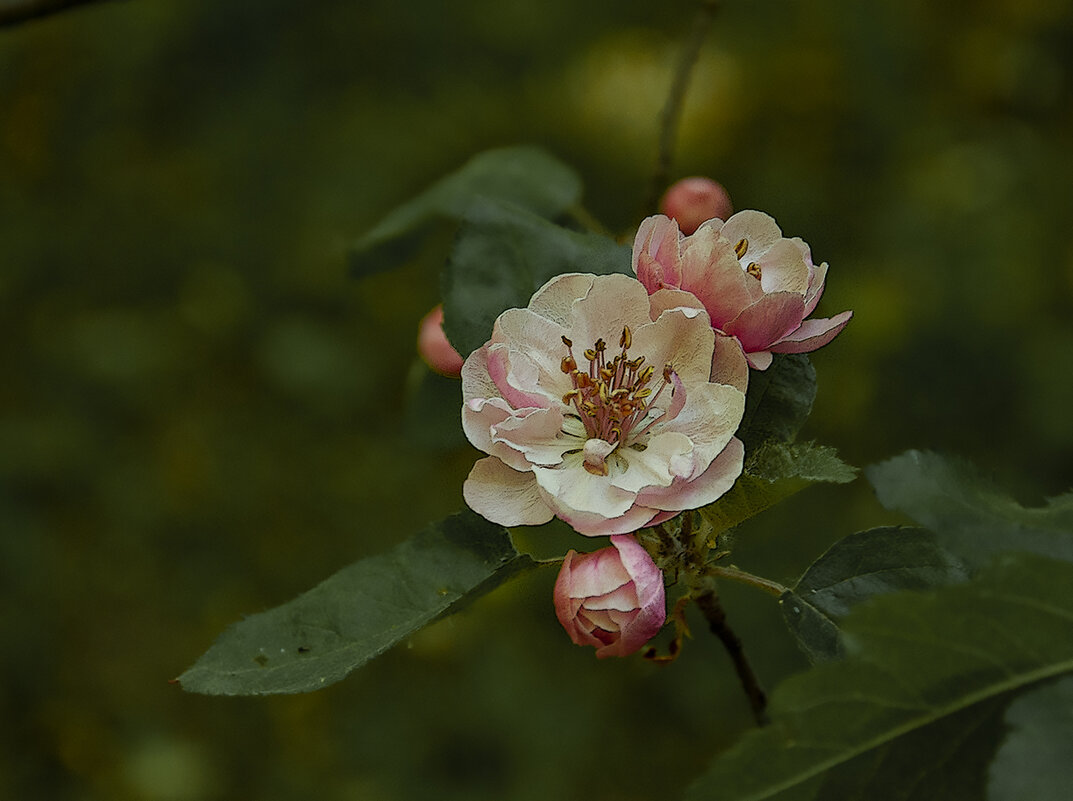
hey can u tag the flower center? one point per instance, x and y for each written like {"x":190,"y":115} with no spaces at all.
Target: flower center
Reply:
{"x":611,"y":397}
{"x":752,"y":268}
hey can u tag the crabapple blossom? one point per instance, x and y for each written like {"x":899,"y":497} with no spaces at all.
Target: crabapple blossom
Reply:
{"x":612,"y":599}
{"x":622,"y":430}
{"x":692,"y":201}
{"x":433,"y":347}
{"x":756,"y":285}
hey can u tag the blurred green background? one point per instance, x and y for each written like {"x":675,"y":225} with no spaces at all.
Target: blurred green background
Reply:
{"x":203,"y":416}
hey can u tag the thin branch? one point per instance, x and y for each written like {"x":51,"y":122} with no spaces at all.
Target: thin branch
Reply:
{"x":736,"y":574}
{"x":672,"y":109}
{"x":709,"y":605}
{"x":13,"y":13}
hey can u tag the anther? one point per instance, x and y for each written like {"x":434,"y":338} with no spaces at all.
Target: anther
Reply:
{"x":741,"y":247}
{"x":600,"y":346}
{"x":626,"y":339}
{"x":667,"y":372}
{"x":646,"y":374}
{"x":568,"y":365}
{"x":569,"y":396}
{"x":754,"y":270}
{"x":567,"y":342}
{"x":590,"y":354}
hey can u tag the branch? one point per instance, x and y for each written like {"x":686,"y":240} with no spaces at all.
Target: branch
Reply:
{"x":13,"y":12}
{"x":709,"y":605}
{"x":672,"y":109}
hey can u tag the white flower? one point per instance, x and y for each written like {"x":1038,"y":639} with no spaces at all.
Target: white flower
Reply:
{"x":596,"y":404}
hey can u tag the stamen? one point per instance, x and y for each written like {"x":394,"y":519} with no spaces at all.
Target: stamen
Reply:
{"x":626,"y":339}
{"x":568,"y":365}
{"x":754,"y":270}
{"x":567,"y":342}
{"x":741,"y":247}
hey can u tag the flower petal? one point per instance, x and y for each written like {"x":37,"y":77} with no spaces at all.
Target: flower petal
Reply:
{"x":555,"y":300}
{"x":575,"y":488}
{"x":812,"y":334}
{"x":783,"y":268}
{"x":706,"y":488}
{"x":815,"y":287}
{"x":651,"y":466}
{"x":759,"y":360}
{"x":505,"y":496}
{"x":759,"y":230}
{"x":657,"y":253}
{"x":593,"y":525}
{"x":767,"y":321}
{"x":728,"y":363}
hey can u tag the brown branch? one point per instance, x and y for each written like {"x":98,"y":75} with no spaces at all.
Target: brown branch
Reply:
{"x":709,"y":605}
{"x":672,"y":109}
{"x":14,"y":13}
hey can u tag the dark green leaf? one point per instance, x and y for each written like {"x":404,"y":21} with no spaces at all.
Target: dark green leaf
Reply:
{"x":359,"y":612}
{"x":432,"y":409}
{"x":779,"y":400}
{"x":972,"y":519}
{"x":1034,"y":762}
{"x":525,"y":176}
{"x":914,"y":660}
{"x":502,"y":256}
{"x":858,"y":567}
{"x":774,"y":472}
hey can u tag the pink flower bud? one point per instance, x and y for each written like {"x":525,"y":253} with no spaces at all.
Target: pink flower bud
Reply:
{"x":693,"y":201}
{"x":434,"y":348}
{"x":612,"y":598}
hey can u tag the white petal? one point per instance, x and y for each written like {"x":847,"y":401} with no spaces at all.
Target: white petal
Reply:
{"x":705,"y":488}
{"x":651,"y":466}
{"x":505,"y":496}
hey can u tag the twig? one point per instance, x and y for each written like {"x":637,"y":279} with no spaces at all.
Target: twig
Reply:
{"x":15,"y":13}
{"x":709,"y":605}
{"x":736,"y":574}
{"x":672,"y":109}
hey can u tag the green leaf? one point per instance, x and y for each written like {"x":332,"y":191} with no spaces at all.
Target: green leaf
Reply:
{"x":779,"y":400}
{"x":432,"y":408}
{"x":773,"y":472}
{"x":972,"y":518}
{"x":856,"y":568}
{"x":503,"y":254}
{"x":525,"y":176}
{"x":358,"y":613}
{"x":922,"y":686}
{"x":1034,"y":761}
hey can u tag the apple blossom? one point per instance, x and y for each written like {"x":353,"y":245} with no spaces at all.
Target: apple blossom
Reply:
{"x":692,"y":201}
{"x":627,"y":440}
{"x":612,"y":599}
{"x":756,"y":285}
{"x":433,"y":346}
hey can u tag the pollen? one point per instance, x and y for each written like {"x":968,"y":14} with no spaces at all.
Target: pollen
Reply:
{"x":741,"y":247}
{"x":754,"y":270}
{"x":613,"y":397}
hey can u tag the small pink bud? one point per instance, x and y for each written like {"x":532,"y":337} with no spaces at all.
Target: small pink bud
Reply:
{"x":693,"y":201}
{"x":612,"y":598}
{"x":433,"y":346}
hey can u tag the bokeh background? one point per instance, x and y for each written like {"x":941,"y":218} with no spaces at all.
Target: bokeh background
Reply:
{"x":202,"y":416}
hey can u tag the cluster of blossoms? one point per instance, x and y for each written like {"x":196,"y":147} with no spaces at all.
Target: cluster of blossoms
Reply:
{"x":612,"y":402}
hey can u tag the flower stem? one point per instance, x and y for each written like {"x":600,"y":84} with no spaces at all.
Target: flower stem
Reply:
{"x":708,"y":603}
{"x":736,"y":574}
{"x":672,"y":109}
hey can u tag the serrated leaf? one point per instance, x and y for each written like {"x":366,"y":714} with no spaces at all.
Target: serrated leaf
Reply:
{"x":358,"y":613}
{"x":917,"y":664}
{"x":972,"y":518}
{"x":1036,"y":760}
{"x":502,"y":255}
{"x":525,"y":176}
{"x":772,"y":473}
{"x":779,"y":400}
{"x":859,"y":567}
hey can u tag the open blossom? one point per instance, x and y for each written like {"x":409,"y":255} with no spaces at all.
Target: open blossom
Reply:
{"x":612,"y":599}
{"x":596,"y":405}
{"x":757,"y":285}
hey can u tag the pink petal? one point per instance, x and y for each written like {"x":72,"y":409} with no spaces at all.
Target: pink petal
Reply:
{"x":766,"y":321}
{"x":815,"y":287}
{"x":656,"y":253}
{"x":505,"y":496}
{"x":706,"y":488}
{"x":812,"y":334}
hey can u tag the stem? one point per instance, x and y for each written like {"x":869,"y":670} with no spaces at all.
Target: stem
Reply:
{"x":736,"y":574}
{"x":14,"y":13}
{"x":709,"y":605}
{"x":672,"y":109}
